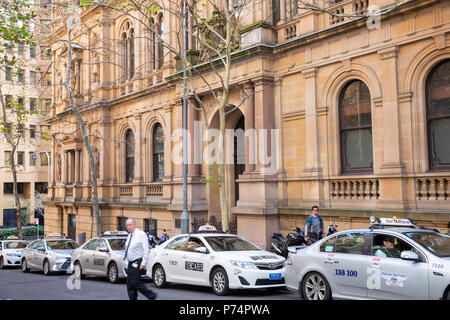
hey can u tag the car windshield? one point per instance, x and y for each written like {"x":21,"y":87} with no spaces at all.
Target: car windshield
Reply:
{"x":230,"y":244}
{"x":437,"y":243}
{"x":62,"y":245}
{"x":15,"y":245}
{"x":117,"y":244}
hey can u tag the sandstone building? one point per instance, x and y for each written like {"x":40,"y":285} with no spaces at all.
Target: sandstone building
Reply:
{"x":363,"y":115}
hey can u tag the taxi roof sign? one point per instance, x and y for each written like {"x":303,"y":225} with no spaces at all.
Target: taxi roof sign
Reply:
{"x":55,"y":235}
{"x":115,"y":233}
{"x":12,"y":237}
{"x":391,"y":222}
{"x":207,"y":227}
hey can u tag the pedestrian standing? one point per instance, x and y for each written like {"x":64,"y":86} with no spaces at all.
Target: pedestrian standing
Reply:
{"x":136,"y":253}
{"x":314,"y":229}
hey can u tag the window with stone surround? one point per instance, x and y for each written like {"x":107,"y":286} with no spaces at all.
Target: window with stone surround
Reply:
{"x":438,"y":116}
{"x":129,"y":156}
{"x":355,"y":123}
{"x":158,"y":153}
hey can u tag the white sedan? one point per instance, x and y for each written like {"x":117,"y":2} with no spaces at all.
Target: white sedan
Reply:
{"x":11,"y":252}
{"x":222,"y":261}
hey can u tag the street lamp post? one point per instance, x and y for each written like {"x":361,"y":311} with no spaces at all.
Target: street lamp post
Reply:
{"x":184,"y":214}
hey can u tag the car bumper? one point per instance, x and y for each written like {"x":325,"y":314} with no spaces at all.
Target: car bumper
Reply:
{"x":11,"y":261}
{"x":60,"y":266}
{"x":255,"y":278}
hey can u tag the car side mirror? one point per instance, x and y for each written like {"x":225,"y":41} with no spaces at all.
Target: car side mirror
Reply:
{"x":201,"y":250}
{"x":410,"y":256}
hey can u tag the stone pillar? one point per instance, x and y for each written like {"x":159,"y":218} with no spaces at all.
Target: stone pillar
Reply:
{"x":311,"y":124}
{"x":193,"y":116}
{"x":264,"y":114}
{"x":282,"y":11}
{"x":77,"y":166}
{"x":391,"y":118}
{"x":65,"y":168}
{"x":249,"y":117}
{"x":393,"y":190}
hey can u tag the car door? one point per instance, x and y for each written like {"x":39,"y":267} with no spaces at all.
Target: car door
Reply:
{"x":100,"y":257}
{"x":86,"y":257}
{"x":28,"y":253}
{"x":195,"y":264}
{"x":171,"y":259}
{"x":394,"y":278}
{"x":39,"y":255}
{"x":345,"y":262}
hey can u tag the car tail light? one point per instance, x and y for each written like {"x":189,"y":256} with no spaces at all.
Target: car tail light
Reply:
{"x":289,"y":261}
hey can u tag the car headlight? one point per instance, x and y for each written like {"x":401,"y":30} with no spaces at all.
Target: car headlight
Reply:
{"x":60,"y":259}
{"x":243,"y":264}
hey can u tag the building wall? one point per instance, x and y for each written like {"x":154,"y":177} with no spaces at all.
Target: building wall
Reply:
{"x":297,"y":81}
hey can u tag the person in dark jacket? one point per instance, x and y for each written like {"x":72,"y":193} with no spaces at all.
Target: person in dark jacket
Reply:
{"x":314,"y":229}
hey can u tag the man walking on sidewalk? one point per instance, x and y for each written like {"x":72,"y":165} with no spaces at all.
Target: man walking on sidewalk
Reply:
{"x":136,"y":253}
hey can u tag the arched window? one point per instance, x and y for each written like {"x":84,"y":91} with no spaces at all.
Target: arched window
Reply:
{"x":438,"y":116}
{"x":158,"y":152}
{"x":129,"y":156}
{"x":155,"y":47}
{"x":127,"y":51}
{"x":355,"y":123}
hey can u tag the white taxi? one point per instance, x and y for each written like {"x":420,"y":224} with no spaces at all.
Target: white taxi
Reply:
{"x":220,"y":260}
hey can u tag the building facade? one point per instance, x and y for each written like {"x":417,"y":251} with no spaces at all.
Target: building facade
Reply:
{"x":25,"y":83}
{"x":360,"y":118}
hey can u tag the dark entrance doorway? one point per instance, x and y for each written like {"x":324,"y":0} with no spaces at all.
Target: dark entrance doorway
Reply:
{"x":72,"y":227}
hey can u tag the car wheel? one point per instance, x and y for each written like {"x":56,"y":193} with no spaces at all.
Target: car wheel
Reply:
{"x":159,"y":276}
{"x":113,"y":273}
{"x":2,"y":263}
{"x":24,"y":265}
{"x":219,"y":281}
{"x":46,"y":268}
{"x":315,"y":287}
{"x":77,"y":270}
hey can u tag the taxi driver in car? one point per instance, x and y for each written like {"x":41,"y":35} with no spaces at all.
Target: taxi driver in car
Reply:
{"x":387,"y":249}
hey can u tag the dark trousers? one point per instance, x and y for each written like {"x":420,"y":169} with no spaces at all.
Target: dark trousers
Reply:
{"x":134,"y":283}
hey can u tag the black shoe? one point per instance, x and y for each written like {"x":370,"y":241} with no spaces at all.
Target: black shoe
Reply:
{"x":153,"y":296}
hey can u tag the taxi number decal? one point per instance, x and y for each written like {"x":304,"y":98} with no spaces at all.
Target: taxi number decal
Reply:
{"x":438,"y":266}
{"x":348,"y":273}
{"x":194,"y":266}
{"x":99,"y":262}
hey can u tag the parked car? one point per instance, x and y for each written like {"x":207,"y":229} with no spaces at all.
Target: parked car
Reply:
{"x":220,"y":260}
{"x":11,"y":252}
{"x":101,"y":256}
{"x":393,"y":259}
{"x":51,"y":254}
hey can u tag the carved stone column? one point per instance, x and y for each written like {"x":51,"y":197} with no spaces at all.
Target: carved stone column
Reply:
{"x":250,"y":137}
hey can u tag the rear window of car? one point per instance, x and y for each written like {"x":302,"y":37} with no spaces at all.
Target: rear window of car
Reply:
{"x":62,"y":245}
{"x":15,"y":245}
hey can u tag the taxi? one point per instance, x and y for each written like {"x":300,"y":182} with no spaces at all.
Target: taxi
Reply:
{"x":51,"y":254}
{"x":393,"y":259}
{"x":101,"y":256}
{"x":11,"y":251}
{"x":223,"y":261}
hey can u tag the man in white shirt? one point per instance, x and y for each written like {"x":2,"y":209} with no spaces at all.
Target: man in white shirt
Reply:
{"x":136,"y":253}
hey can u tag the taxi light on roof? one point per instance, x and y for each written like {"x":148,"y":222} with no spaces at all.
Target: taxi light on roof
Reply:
{"x":394,"y":222}
{"x":55,"y":235}
{"x":115,"y":233}
{"x":12,"y":237}
{"x":207,"y":227}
